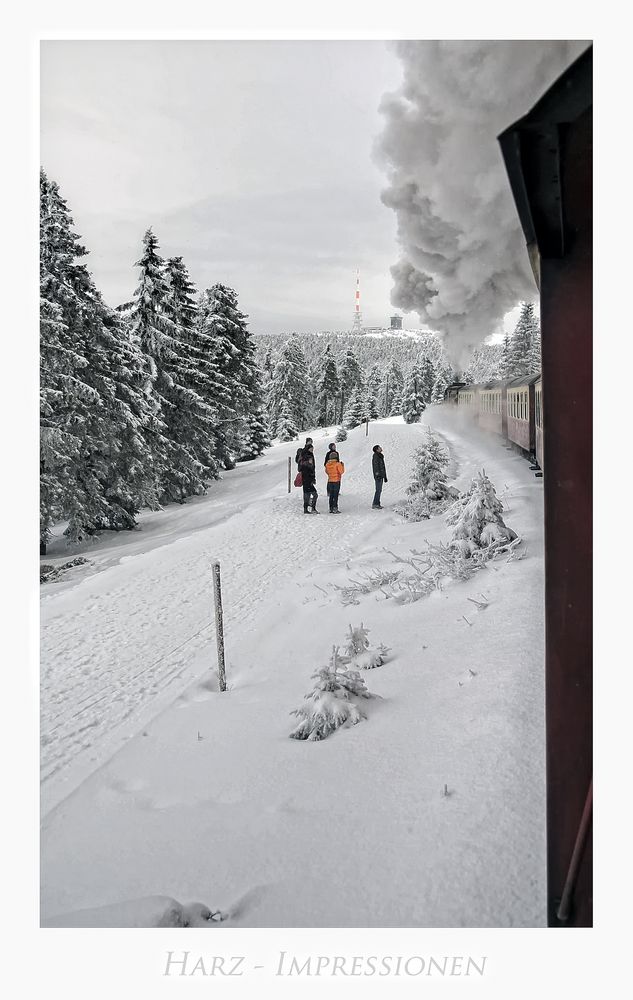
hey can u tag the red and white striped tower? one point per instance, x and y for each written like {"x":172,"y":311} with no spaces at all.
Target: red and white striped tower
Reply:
{"x":357,"y":325}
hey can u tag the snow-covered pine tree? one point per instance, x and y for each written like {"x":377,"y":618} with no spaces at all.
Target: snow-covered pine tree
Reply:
{"x":192,"y":368}
{"x":533,"y":360}
{"x":333,"y":702}
{"x":289,"y":385}
{"x":429,"y":492}
{"x":393,"y":386}
{"x":286,"y":429}
{"x":358,"y":651}
{"x":413,"y":404}
{"x":155,"y":326}
{"x":341,"y":434}
{"x":225,"y":326}
{"x":376,"y":389}
{"x":505,"y":367}
{"x":371,"y":406}
{"x":430,"y":461}
{"x":355,"y":411}
{"x":268,"y":367}
{"x":427,"y":373}
{"x":327,"y":389}
{"x":479,"y":529}
{"x":350,"y":377}
{"x":98,"y":421}
{"x":525,"y":334}
{"x":443,"y":378}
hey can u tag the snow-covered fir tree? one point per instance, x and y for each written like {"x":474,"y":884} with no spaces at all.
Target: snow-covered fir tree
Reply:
{"x":376,"y":389}
{"x":394,"y":385}
{"x":526,"y":334}
{"x":192,"y":367}
{"x":371,"y":406}
{"x":226,"y":328}
{"x":428,"y":492}
{"x":478,"y":527}
{"x":286,"y":428}
{"x":427,"y":373}
{"x":355,"y":411}
{"x":327,"y":389}
{"x":97,"y":419}
{"x":333,"y":702}
{"x":505,"y":364}
{"x":533,"y":360}
{"x":413,"y":403}
{"x":443,"y":379}
{"x":181,"y":466}
{"x":350,"y":377}
{"x":289,"y":386}
{"x":341,"y":434}
{"x":430,"y":461}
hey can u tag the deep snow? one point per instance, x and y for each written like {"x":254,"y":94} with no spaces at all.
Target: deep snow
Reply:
{"x":154,"y":784}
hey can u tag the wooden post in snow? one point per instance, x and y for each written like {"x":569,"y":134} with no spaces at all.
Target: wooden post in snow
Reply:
{"x":219,"y":625}
{"x":366,"y":426}
{"x":289,"y":474}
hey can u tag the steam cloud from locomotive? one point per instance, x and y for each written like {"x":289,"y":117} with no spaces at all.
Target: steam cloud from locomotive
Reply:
{"x":463,"y":263}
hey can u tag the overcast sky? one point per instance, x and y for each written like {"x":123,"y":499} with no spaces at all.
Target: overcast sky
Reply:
{"x":250,"y":159}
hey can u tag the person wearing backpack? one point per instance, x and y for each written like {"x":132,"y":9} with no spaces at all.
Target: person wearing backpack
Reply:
{"x":308,"y":480}
{"x":301,"y":449}
{"x":380,"y":475}
{"x":334,"y":469}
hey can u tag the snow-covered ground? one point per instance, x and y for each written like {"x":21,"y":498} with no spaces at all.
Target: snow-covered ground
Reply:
{"x":156,"y":785}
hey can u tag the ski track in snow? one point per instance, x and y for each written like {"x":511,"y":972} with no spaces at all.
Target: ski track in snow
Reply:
{"x":106,"y":641}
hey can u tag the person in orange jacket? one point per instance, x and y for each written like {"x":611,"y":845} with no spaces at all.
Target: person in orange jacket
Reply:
{"x":334,"y":469}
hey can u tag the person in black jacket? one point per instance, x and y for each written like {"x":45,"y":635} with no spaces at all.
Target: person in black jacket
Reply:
{"x":308,"y":477}
{"x":331,"y":448}
{"x":380,"y":474}
{"x":301,"y":450}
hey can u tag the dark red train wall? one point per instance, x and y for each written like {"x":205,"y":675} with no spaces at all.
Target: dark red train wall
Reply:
{"x":566,"y":321}
{"x":548,"y":158}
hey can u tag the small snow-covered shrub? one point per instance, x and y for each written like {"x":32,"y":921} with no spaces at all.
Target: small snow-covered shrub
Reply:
{"x":479,"y":529}
{"x":358,"y":650}
{"x":333,"y":701}
{"x":341,"y":434}
{"x":374,"y":580}
{"x":415,"y":508}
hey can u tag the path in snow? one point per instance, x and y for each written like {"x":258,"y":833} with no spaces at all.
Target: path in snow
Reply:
{"x":107,"y":663}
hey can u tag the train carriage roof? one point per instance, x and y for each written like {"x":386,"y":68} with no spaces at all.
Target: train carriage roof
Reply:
{"x":523,"y":380}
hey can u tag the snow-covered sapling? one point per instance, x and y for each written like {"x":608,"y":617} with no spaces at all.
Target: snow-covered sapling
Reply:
{"x":332,"y":702}
{"x":429,"y":492}
{"x":479,"y":529}
{"x":358,"y":650}
{"x":341,"y":434}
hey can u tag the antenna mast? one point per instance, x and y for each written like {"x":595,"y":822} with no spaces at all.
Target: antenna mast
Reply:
{"x":357,"y":325}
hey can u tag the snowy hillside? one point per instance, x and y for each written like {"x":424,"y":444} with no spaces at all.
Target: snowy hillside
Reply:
{"x":428,"y":812}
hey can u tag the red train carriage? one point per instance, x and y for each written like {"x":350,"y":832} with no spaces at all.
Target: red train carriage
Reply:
{"x":520,"y":406}
{"x":491,"y":407}
{"x":468,"y":401}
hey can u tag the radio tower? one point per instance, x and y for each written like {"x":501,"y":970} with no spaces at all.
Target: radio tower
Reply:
{"x":357,"y":325}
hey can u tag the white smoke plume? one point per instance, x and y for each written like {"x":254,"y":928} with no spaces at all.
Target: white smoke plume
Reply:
{"x":464,"y":263}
